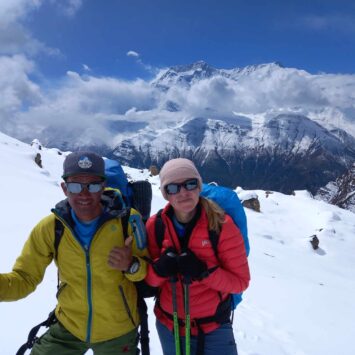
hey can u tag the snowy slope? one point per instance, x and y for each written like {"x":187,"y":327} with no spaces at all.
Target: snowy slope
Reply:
{"x":300,"y":301}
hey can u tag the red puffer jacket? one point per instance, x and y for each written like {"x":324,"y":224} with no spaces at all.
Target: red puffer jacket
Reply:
{"x":232,"y":275}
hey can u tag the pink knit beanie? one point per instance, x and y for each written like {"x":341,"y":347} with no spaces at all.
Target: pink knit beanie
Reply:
{"x":178,"y":170}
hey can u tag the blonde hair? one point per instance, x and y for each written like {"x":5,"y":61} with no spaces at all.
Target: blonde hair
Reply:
{"x":215,"y":214}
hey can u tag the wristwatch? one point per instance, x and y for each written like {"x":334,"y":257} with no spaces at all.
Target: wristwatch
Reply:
{"x":133,"y":268}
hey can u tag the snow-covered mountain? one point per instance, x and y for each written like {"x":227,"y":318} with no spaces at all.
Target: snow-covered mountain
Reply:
{"x":283,"y":153}
{"x":300,"y":300}
{"x":265,"y":126}
{"x":187,"y":75}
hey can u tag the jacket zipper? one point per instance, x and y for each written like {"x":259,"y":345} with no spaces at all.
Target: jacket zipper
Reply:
{"x":88,"y":272}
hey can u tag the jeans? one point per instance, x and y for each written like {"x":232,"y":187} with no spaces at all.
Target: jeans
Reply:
{"x":220,"y":341}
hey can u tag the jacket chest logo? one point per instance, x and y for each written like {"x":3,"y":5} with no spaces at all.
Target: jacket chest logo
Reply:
{"x":205,"y":242}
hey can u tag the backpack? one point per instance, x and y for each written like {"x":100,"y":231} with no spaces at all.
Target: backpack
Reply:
{"x":136,"y":194}
{"x":229,"y":201}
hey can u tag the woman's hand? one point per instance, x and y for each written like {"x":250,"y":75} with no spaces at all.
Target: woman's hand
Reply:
{"x":191,"y":267}
{"x":166,"y":265}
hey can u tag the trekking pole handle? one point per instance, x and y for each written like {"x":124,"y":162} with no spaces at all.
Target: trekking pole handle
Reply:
{"x":187,"y":280}
{"x":173,"y":279}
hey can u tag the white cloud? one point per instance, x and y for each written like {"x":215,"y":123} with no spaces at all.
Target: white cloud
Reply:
{"x":86,"y":67}
{"x":139,"y":61}
{"x":106,"y":95}
{"x":260,"y":92}
{"x":90,"y":103}
{"x":16,"y":38}
{"x":13,"y":10}
{"x":132,"y":54}
{"x":68,"y":7}
{"x":86,"y":104}
{"x":336,"y":22}
{"x":16,"y":89}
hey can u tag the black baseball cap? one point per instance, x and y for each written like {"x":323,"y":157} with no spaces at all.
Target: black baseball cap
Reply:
{"x":83,"y":162}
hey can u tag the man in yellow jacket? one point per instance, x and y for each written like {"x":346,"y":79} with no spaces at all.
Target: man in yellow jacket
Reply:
{"x":97,"y":266}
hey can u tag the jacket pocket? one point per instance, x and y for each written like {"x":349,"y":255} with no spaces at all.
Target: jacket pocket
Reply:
{"x":126,"y":305}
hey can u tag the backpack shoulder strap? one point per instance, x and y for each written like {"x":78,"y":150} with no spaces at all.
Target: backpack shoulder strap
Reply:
{"x":159,"y":229}
{"x":58,"y":233}
{"x":214,"y":238}
{"x":124,"y":221}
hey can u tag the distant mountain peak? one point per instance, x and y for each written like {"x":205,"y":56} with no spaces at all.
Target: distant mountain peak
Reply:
{"x":185,"y":75}
{"x":199,"y":65}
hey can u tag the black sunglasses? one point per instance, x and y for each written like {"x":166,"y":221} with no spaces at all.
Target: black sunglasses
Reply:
{"x":174,"y":188}
{"x":77,"y":187}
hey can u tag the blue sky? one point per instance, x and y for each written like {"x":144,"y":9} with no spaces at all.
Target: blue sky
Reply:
{"x":317,"y":36}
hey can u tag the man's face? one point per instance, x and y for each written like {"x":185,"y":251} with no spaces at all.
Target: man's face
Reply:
{"x":85,"y":204}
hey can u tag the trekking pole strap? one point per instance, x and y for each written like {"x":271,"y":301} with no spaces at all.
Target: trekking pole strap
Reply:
{"x":144,"y":331}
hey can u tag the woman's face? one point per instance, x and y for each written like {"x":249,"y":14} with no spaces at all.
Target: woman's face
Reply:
{"x":185,"y":201}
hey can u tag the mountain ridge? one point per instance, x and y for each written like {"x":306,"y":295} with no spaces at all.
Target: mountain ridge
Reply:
{"x":285,"y":148}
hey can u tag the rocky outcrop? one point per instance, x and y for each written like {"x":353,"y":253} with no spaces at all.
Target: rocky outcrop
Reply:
{"x":38,"y":160}
{"x":253,"y":204}
{"x":340,"y":192}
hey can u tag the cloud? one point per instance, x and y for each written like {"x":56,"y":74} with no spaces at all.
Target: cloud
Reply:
{"x":91,"y":94}
{"x":15,"y":38}
{"x":86,"y":67}
{"x":335,"y":22}
{"x":262,"y":91}
{"x":132,"y":54}
{"x":147,"y":67}
{"x":97,"y":106}
{"x":81,"y":104}
{"x":13,"y":10}
{"x":68,"y":7}
{"x":17,"y":91}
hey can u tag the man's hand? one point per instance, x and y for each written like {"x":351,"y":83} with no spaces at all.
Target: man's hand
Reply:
{"x":121,"y":258}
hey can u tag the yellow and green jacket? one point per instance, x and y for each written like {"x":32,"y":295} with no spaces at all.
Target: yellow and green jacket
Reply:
{"x":95,"y":302}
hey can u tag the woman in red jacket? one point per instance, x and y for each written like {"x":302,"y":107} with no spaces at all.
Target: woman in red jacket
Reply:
{"x":185,"y":267}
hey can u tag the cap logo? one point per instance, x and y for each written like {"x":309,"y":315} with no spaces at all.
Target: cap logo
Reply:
{"x":85,"y":163}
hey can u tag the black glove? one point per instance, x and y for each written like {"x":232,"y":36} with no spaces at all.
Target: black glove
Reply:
{"x":191,"y":267}
{"x":166,"y":265}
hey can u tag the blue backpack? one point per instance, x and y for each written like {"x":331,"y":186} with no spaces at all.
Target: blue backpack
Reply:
{"x":229,"y":201}
{"x":136,"y":194}
{"x":117,"y":179}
